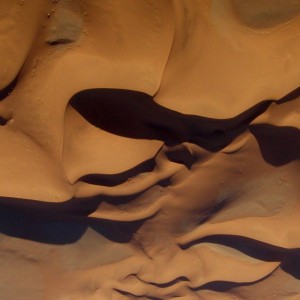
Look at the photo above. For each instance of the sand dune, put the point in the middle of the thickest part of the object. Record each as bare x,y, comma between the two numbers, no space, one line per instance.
150,150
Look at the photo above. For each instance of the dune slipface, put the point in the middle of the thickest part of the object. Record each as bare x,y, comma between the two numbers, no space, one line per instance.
150,149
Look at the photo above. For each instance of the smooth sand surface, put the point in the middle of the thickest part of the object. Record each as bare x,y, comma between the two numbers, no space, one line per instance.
150,150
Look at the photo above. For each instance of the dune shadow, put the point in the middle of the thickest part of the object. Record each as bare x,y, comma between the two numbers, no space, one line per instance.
116,231
59,223
6,91
291,263
16,223
225,286
119,178
289,258
136,115
250,247
278,145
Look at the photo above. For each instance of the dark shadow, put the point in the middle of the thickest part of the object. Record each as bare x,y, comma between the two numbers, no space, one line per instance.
136,115
289,258
116,231
278,145
59,42
291,263
251,247
165,284
70,210
119,178
2,121
5,92
59,223
18,224
219,286
290,96
181,155
225,286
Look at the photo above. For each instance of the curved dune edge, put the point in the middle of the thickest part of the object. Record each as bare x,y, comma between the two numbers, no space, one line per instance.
149,150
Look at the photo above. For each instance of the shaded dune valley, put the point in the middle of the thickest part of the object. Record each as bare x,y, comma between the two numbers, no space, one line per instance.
150,150
124,214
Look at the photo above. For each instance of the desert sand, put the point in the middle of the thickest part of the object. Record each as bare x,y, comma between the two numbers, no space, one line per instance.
150,149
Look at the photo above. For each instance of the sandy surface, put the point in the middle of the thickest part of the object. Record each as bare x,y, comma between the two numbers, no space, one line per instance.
139,158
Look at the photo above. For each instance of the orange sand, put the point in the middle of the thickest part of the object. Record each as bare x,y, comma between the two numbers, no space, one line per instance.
228,227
